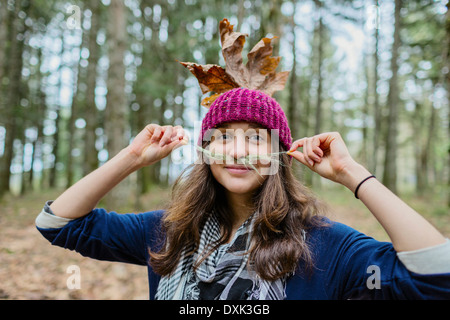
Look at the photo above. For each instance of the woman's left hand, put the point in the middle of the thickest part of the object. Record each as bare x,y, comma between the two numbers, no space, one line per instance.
327,155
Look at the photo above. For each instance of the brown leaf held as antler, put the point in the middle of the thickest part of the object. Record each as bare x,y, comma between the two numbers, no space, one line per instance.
259,72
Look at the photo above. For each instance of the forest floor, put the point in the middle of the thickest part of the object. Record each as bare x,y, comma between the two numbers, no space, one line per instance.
30,268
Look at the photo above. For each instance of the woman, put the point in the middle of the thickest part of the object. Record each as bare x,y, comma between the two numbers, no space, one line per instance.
237,231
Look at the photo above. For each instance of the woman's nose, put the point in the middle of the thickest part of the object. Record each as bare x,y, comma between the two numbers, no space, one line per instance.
239,149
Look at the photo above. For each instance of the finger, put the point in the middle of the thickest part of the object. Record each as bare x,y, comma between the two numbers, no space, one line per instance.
166,136
311,149
327,138
297,144
311,154
179,130
316,147
156,134
174,145
145,134
307,152
179,134
150,128
299,156
180,143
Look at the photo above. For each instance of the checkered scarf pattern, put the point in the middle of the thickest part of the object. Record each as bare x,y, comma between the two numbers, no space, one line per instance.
224,275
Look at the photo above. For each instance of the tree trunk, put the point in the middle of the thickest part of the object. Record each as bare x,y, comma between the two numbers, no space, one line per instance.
3,41
116,108
58,124
320,40
241,15
390,160
292,109
418,124
91,115
447,86
4,57
13,95
365,158
71,127
376,101
40,110
76,106
428,149
56,145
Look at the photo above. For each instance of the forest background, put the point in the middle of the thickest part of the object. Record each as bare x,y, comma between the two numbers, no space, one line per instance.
79,79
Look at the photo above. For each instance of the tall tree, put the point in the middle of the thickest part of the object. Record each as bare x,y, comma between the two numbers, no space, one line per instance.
58,122
38,103
11,116
90,110
293,103
116,121
319,35
427,51
390,160
375,95
446,76
3,40
76,105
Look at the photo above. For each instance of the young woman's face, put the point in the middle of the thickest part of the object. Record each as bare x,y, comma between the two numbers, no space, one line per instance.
237,140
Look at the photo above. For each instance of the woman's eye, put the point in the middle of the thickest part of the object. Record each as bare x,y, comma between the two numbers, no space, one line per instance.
225,136
256,138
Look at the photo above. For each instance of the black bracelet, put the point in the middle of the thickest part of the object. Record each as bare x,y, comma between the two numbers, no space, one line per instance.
359,185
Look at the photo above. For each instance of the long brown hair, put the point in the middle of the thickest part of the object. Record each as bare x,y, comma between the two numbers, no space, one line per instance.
284,211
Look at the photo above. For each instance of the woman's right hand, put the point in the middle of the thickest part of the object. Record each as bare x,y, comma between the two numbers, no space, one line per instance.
156,142
152,144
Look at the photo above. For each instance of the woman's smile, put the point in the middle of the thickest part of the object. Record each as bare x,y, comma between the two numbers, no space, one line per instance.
237,169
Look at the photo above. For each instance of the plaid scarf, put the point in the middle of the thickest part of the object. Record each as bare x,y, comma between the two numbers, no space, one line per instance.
223,275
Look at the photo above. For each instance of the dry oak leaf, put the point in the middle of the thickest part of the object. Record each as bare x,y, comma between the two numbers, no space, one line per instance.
259,72
211,77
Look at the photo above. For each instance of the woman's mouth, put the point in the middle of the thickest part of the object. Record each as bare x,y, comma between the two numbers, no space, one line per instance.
237,169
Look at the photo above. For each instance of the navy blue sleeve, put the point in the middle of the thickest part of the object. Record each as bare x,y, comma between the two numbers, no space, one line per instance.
364,268
109,236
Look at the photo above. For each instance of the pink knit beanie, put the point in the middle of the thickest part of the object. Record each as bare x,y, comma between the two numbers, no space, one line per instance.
242,104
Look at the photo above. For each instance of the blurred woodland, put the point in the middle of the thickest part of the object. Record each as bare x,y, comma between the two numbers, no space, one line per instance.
79,79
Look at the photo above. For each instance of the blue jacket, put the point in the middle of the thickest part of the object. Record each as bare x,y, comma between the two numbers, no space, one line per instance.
346,261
